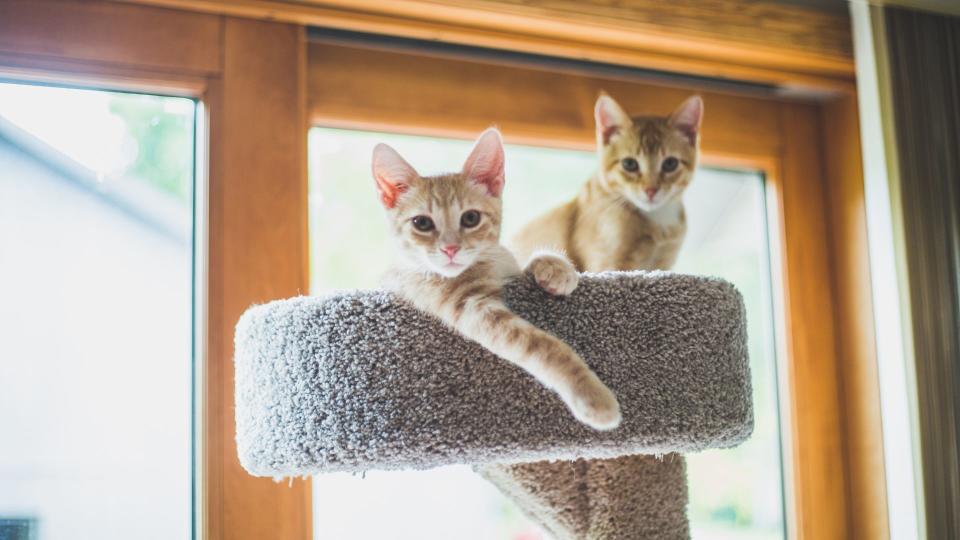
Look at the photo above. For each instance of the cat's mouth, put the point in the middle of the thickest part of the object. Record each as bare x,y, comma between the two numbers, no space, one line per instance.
644,201
454,262
449,267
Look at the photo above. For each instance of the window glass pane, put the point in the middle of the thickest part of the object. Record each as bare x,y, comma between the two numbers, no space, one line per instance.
96,311
737,493
733,493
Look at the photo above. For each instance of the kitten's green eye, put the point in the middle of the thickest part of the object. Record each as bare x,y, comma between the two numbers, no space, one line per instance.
470,219
422,223
669,165
629,164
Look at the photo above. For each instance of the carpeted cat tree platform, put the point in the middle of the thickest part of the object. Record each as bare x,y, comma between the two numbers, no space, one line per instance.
359,380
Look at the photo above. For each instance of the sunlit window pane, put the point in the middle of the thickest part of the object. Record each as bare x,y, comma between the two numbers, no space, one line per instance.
737,493
95,310
733,493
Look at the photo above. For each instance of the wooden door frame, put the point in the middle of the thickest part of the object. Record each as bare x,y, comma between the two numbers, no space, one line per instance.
252,78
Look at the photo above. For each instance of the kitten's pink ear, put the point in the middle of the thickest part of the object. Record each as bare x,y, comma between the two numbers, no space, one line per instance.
687,118
392,173
485,164
610,118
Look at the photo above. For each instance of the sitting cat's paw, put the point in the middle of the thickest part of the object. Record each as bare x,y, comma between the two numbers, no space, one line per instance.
554,273
594,404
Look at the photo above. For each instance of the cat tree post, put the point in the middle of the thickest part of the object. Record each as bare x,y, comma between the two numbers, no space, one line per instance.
621,498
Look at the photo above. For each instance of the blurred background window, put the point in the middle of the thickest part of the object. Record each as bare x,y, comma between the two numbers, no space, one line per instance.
96,225
735,493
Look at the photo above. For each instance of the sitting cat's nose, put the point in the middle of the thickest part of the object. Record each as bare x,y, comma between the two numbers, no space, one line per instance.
450,250
652,192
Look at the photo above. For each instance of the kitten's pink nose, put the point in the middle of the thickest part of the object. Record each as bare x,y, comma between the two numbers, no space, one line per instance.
651,192
450,250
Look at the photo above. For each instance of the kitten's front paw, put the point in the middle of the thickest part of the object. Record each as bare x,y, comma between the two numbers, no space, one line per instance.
553,273
594,404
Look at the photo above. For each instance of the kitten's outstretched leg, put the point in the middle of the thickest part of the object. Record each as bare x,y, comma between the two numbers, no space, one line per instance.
592,403
553,272
588,398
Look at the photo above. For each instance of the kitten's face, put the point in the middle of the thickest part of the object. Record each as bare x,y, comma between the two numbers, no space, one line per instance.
443,223
648,161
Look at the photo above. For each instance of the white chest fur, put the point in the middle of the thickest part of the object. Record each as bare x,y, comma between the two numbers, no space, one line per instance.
668,215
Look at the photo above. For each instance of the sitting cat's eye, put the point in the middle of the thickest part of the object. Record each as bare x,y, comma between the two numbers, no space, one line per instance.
630,164
669,165
422,223
470,219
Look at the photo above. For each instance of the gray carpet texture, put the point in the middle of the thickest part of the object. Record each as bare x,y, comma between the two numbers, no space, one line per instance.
359,380
623,498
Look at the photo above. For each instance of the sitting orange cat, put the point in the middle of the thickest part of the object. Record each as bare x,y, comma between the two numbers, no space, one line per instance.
629,215
451,265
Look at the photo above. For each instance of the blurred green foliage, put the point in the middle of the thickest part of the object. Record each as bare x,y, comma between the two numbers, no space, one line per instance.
162,128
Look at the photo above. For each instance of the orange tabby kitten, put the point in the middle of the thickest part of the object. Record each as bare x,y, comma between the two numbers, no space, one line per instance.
451,265
629,215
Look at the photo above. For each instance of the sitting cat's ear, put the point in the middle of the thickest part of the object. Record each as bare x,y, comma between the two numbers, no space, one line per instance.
687,117
392,174
610,118
485,164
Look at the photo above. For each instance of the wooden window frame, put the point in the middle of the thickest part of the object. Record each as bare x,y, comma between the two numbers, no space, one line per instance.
261,85
251,222
813,195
